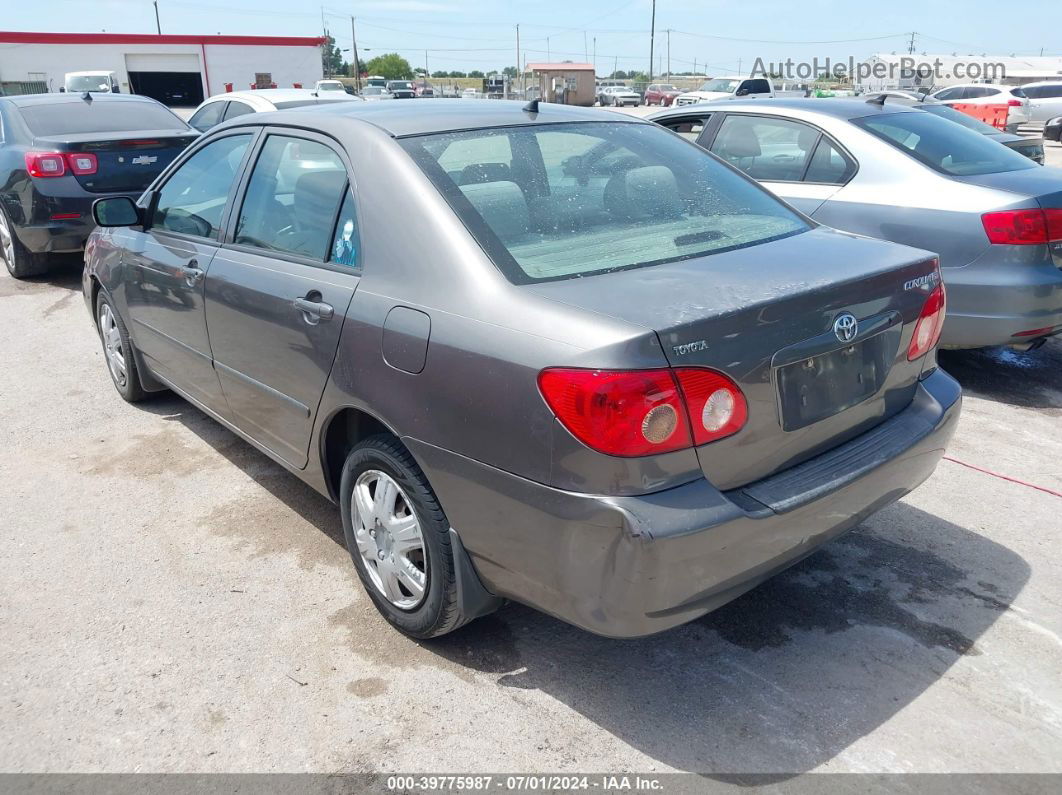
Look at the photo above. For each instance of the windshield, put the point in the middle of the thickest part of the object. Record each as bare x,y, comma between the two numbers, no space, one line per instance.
957,116
720,84
67,118
668,87
944,146
89,83
401,84
558,201
330,85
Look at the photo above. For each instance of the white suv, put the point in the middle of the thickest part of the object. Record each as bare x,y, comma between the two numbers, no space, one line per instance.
984,94
727,88
1045,100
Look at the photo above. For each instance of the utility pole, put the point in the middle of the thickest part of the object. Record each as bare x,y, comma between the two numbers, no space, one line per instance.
695,66
911,45
354,49
519,66
595,57
158,25
652,36
740,73
669,55
547,49
427,74
615,67
586,52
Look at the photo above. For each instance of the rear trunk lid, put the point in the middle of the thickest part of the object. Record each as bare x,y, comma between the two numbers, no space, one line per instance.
1043,185
127,162
764,316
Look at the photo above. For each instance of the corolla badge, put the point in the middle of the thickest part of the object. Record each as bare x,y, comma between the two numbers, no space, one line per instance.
144,160
845,326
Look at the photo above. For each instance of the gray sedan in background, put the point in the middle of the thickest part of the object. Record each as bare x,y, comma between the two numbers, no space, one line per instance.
604,374
899,173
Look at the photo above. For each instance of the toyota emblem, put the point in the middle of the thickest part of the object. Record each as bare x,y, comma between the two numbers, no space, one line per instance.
846,327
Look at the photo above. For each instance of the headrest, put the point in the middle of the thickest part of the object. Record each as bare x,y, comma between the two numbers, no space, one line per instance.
316,196
649,192
484,172
739,140
502,205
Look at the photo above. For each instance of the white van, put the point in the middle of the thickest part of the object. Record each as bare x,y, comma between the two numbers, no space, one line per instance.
727,88
93,82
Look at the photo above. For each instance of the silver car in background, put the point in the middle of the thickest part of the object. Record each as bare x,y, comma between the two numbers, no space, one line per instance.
897,173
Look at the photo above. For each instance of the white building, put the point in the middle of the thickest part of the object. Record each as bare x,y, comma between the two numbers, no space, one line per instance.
177,70
887,70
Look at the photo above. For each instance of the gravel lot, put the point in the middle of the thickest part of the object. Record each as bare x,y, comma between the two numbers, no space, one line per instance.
170,600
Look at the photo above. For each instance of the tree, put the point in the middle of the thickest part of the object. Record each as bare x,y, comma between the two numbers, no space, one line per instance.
391,66
618,75
510,71
332,62
475,73
457,74
440,74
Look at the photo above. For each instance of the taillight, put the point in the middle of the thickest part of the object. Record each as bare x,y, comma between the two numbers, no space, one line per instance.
1023,227
930,324
644,412
716,405
82,163
45,164
1014,103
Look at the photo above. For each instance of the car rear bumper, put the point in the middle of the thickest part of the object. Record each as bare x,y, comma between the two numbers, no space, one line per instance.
632,566
45,233
1001,294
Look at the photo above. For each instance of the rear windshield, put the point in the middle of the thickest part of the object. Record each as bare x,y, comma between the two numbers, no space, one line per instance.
558,201
66,118
944,146
957,116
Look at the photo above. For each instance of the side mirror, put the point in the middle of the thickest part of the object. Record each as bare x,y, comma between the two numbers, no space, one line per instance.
116,211
742,92
62,89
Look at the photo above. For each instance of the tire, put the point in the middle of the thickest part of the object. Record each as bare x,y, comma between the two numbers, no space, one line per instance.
115,340
438,610
20,261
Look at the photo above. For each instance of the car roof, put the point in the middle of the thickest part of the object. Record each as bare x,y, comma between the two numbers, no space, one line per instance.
448,115
268,94
26,100
827,106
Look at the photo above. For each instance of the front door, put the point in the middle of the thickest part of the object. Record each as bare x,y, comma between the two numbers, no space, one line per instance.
278,290
166,265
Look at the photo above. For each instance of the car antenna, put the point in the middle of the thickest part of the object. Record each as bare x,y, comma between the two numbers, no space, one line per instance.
87,97
879,100
532,106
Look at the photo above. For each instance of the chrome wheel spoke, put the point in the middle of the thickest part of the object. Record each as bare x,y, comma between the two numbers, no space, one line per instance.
364,510
389,580
411,577
384,499
405,533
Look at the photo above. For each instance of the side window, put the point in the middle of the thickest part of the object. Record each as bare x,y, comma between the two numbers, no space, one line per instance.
828,165
757,86
237,108
193,199
292,198
207,116
978,93
1051,92
774,150
345,239
949,93
688,128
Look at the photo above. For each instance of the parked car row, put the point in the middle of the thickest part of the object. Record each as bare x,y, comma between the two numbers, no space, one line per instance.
662,363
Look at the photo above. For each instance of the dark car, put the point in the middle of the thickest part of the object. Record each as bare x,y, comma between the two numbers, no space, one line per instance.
401,89
60,152
662,94
605,374
1053,129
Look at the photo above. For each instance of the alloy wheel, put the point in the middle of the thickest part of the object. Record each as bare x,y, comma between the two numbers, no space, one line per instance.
112,344
7,242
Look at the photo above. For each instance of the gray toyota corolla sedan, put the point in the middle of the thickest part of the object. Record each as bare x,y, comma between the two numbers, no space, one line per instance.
899,173
547,354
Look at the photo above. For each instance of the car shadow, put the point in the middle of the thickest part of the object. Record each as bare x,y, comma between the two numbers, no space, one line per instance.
64,270
1032,379
786,677
779,681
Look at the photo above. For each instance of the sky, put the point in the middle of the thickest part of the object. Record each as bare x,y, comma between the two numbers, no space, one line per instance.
466,34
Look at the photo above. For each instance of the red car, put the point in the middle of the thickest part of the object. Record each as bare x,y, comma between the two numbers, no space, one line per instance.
662,94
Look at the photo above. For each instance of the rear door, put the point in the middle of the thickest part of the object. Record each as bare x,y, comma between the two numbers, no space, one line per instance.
793,159
165,267
278,290
1045,102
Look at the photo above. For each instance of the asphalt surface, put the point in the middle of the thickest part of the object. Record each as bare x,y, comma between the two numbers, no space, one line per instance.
170,600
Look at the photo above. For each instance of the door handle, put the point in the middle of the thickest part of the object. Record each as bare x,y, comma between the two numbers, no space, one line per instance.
192,273
313,311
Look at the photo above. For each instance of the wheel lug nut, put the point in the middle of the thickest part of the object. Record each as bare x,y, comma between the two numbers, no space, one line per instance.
380,554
